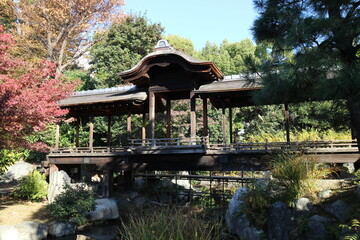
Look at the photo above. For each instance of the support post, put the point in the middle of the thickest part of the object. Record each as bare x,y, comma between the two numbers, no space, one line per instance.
143,128
231,124
192,117
152,114
77,143
223,122
109,131
168,118
128,180
287,122
91,133
128,127
57,136
107,184
205,118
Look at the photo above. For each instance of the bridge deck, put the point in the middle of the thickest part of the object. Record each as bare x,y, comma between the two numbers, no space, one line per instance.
180,154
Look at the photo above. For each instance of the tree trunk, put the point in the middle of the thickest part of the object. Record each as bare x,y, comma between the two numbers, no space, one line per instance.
354,109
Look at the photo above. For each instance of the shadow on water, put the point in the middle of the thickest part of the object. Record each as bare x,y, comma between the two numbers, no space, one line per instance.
106,231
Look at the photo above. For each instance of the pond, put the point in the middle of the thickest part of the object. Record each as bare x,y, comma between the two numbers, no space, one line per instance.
105,231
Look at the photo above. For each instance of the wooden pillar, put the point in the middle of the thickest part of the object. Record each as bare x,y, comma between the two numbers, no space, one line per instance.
107,184
205,118
143,128
287,122
128,126
231,124
223,122
128,180
168,118
57,136
77,143
192,116
91,133
109,131
152,115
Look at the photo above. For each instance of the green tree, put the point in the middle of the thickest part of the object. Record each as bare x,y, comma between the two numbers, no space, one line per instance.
121,47
182,44
324,37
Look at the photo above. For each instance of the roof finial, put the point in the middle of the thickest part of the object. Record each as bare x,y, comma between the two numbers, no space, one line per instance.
162,44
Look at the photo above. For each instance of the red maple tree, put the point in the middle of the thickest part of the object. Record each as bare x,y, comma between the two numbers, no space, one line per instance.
28,97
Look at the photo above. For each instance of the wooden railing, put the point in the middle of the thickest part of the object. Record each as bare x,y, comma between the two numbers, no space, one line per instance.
309,146
203,142
89,150
169,141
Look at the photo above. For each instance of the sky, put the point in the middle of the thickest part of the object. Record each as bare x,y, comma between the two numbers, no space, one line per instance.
199,20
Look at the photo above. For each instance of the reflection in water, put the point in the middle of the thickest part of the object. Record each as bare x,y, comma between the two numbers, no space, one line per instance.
107,231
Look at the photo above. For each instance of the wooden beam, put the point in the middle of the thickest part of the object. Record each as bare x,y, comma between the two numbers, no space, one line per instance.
193,116
205,117
168,118
231,124
109,131
152,115
57,136
287,122
223,122
91,133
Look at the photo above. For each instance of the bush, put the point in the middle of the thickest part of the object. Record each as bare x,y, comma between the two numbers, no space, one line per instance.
33,187
171,223
256,202
295,175
73,204
8,157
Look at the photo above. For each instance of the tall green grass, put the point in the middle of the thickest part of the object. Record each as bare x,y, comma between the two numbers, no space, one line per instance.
295,175
171,224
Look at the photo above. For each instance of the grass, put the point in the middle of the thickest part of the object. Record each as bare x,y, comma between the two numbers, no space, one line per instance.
172,224
296,175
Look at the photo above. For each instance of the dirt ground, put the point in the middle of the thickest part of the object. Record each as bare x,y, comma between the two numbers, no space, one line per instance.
13,211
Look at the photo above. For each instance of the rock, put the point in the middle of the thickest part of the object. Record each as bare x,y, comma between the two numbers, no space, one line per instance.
182,183
19,170
183,197
302,205
133,195
338,209
357,192
140,202
105,209
324,194
139,184
326,184
59,229
57,181
165,183
279,221
238,223
8,233
347,170
317,227
32,230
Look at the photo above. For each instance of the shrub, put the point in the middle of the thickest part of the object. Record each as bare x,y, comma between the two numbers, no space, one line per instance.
357,177
256,202
295,175
171,223
33,187
73,204
8,157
